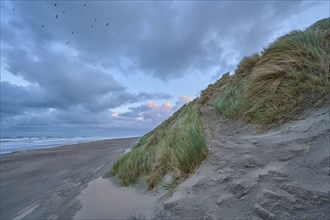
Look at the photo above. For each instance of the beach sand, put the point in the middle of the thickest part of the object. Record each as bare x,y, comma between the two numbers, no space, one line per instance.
46,184
279,174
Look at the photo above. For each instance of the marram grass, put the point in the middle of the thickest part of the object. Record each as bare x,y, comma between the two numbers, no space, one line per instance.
167,154
287,77
267,88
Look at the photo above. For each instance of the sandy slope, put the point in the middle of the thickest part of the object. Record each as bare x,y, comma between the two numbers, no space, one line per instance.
281,174
44,184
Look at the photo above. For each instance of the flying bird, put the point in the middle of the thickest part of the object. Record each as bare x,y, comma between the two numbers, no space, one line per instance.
55,4
107,24
63,12
67,42
95,19
43,26
56,16
13,9
72,32
84,5
92,26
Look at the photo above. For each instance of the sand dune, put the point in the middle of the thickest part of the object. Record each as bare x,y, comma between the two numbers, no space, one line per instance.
281,174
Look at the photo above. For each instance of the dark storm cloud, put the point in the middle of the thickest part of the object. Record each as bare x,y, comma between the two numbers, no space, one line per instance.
66,84
165,39
62,80
70,59
16,99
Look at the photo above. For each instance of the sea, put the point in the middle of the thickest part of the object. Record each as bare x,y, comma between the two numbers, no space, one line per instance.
17,144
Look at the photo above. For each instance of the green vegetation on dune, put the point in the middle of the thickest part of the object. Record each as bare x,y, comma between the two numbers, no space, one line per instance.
269,88
167,154
287,77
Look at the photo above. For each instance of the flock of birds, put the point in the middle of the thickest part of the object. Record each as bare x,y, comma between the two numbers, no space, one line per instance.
72,32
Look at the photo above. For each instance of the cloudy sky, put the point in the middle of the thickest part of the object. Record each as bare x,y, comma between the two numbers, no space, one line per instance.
119,68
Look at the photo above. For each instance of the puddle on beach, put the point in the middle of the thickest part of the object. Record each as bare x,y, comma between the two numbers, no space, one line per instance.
102,199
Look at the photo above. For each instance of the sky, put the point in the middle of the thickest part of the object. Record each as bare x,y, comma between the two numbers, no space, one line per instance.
120,68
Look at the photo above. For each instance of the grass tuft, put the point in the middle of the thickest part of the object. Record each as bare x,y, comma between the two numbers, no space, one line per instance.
287,77
166,155
247,64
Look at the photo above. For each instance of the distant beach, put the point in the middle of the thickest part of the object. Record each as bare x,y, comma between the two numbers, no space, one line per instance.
45,184
17,144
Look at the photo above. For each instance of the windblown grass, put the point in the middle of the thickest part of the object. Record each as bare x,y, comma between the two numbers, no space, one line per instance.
287,77
267,88
166,155
209,92
246,66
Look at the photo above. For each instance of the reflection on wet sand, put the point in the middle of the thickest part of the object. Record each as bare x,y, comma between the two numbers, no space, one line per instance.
102,199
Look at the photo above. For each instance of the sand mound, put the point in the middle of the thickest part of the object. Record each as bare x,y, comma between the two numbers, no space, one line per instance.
280,174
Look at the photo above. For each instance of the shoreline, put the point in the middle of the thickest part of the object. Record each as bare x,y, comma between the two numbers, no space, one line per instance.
45,183
45,147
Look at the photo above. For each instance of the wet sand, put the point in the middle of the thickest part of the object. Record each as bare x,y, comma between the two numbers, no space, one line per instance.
45,184
103,199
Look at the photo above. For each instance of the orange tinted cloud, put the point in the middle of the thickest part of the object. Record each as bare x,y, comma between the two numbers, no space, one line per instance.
115,115
181,101
152,105
167,106
186,98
